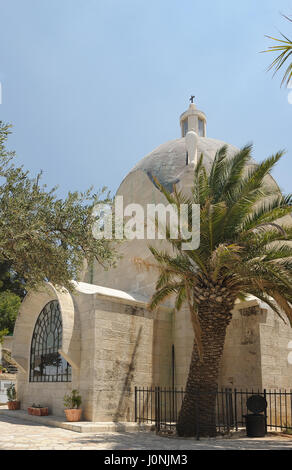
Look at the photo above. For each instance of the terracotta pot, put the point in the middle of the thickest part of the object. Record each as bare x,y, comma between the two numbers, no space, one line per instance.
73,414
13,405
38,411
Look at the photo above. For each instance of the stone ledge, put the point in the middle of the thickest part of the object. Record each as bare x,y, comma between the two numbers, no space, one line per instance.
5,376
81,426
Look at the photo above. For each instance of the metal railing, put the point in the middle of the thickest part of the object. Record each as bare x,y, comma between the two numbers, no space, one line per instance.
161,406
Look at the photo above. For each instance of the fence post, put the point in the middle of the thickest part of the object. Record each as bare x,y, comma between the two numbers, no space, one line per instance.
231,408
266,424
235,410
155,406
227,403
135,404
198,415
158,409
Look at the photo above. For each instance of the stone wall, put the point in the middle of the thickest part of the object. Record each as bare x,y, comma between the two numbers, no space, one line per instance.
255,352
275,336
183,338
162,347
45,394
241,361
122,358
256,349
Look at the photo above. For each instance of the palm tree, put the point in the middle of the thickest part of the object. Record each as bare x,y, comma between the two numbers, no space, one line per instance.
243,250
284,47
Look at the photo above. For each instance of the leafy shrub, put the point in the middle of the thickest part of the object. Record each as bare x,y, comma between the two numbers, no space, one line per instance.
11,392
73,400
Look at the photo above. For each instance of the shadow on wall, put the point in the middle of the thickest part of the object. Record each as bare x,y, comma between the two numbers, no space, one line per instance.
122,410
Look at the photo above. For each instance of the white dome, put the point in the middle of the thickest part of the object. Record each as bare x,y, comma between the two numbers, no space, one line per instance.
168,161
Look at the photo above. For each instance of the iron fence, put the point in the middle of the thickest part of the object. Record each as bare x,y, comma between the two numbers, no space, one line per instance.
161,406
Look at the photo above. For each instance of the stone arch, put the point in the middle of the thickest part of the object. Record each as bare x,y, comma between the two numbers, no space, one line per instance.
29,311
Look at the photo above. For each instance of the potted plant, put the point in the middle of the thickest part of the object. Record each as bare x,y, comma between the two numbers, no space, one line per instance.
13,403
72,403
38,410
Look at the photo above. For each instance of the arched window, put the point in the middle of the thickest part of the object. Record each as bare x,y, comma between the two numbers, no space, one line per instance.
46,364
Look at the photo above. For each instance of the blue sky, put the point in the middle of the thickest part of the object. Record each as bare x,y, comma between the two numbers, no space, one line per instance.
91,86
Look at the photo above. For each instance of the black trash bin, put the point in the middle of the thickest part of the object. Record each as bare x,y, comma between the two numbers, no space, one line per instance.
256,422
255,425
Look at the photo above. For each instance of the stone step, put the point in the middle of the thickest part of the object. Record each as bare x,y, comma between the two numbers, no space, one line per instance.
81,426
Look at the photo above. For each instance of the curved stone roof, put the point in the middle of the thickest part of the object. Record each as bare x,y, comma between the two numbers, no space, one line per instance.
168,161
91,289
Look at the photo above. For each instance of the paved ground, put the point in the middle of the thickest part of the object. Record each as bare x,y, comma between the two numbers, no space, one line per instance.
17,434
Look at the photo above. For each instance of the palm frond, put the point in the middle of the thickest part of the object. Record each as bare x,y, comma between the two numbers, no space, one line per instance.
180,298
284,46
234,172
163,293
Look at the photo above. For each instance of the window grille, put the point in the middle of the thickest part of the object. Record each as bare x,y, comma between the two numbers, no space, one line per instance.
46,364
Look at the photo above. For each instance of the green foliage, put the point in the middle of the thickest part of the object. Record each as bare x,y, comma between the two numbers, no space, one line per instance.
284,48
3,333
73,400
11,392
43,237
287,430
9,306
10,281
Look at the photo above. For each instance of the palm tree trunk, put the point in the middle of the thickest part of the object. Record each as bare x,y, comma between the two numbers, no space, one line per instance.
198,406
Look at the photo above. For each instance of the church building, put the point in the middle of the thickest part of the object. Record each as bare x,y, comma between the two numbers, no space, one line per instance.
103,340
